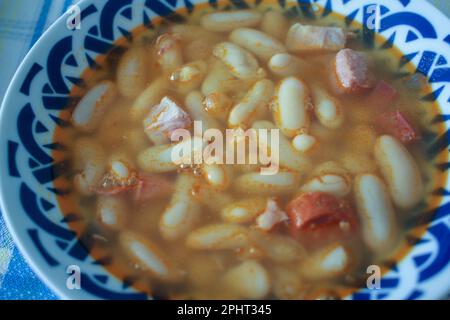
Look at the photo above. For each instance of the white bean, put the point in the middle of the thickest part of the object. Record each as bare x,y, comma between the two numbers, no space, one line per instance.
167,158
183,211
111,212
168,51
286,65
301,38
93,105
289,158
304,142
336,185
120,165
218,237
376,213
148,257
217,104
230,20
244,211
290,107
90,159
400,171
278,248
132,72
328,110
211,198
215,79
189,76
240,62
151,96
256,183
275,24
259,43
252,104
249,280
327,263
194,105
287,283
217,176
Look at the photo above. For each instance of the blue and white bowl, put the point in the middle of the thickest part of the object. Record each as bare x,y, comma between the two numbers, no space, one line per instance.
40,91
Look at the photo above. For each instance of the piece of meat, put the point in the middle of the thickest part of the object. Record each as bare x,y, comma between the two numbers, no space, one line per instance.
271,216
352,72
382,96
152,186
112,185
142,187
164,119
317,210
397,125
301,38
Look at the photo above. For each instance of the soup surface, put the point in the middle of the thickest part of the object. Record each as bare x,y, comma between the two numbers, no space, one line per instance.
349,167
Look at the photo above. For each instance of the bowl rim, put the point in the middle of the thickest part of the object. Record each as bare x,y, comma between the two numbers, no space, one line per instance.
6,205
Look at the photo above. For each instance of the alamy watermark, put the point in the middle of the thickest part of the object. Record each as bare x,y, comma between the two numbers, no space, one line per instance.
252,146
73,281
73,21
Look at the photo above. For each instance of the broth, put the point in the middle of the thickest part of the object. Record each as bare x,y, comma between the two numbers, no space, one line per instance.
175,235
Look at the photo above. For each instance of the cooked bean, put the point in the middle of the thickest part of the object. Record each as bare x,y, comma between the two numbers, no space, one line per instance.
240,63
275,24
376,213
304,142
90,159
149,98
132,72
213,199
301,38
256,183
230,20
290,107
328,110
327,263
167,158
249,280
288,157
336,185
148,257
252,104
194,104
287,283
244,211
189,76
218,237
218,176
183,212
215,79
168,52
286,65
278,248
92,107
259,43
217,104
111,212
400,171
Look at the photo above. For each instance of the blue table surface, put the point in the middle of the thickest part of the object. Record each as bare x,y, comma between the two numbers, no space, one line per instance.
21,24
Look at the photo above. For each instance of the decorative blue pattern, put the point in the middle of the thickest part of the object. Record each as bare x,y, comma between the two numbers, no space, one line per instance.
56,65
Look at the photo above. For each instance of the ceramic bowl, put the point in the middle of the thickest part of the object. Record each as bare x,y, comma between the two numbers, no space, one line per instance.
41,88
